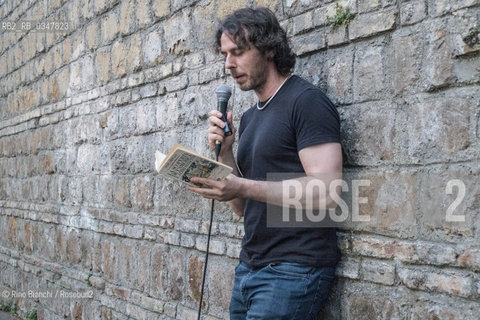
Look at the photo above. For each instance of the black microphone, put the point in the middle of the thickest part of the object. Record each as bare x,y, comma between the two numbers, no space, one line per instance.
223,94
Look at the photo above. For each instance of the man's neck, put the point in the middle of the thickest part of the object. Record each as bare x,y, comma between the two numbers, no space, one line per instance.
274,80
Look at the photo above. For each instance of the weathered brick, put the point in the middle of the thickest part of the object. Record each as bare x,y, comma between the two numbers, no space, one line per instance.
446,308
309,42
369,24
186,313
435,253
382,211
152,49
407,50
121,193
439,125
87,160
78,45
412,12
233,249
292,7
176,276
302,22
133,231
470,259
119,52
82,74
369,79
190,226
74,253
465,38
158,273
161,8
219,288
226,7
195,272
100,6
67,50
110,26
378,272
216,246
356,132
467,70
102,63
142,192
134,55
339,80
368,5
337,36
437,64
92,35
370,306
205,28
384,248
432,281
143,15
29,47
127,17
177,34
87,249
348,268
48,63
441,7
126,266
175,83
148,90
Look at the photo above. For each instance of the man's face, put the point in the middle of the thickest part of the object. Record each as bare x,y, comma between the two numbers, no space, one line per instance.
247,65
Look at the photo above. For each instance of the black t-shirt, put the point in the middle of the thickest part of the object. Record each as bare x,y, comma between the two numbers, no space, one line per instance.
300,115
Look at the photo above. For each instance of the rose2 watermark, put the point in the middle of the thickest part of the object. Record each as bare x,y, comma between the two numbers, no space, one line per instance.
335,201
319,213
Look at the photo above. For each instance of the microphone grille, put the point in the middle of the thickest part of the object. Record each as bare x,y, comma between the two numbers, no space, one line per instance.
223,92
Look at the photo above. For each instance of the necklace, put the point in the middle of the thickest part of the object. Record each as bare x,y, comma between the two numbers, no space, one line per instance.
270,99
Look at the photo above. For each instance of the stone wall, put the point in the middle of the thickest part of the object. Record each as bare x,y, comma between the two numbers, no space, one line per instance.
83,110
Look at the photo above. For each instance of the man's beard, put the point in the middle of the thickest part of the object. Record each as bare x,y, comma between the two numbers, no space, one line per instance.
255,82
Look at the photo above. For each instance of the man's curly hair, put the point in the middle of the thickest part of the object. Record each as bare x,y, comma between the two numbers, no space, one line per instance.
260,28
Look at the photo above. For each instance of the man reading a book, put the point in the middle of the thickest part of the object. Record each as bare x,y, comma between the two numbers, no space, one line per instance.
285,272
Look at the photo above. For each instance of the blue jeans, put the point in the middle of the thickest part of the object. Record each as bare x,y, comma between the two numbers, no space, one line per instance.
288,291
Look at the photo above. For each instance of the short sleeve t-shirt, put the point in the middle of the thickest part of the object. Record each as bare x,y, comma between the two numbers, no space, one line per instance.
300,115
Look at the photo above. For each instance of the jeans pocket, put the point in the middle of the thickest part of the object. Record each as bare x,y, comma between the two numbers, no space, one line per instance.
241,268
290,269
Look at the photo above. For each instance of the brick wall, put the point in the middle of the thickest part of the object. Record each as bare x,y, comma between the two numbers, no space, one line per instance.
82,112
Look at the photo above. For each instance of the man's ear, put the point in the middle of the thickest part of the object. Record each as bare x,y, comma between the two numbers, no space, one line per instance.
270,55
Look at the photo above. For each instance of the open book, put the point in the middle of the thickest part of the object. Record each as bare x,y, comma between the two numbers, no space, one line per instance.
182,164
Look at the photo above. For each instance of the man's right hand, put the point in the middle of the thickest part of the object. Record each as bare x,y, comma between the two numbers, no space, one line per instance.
215,131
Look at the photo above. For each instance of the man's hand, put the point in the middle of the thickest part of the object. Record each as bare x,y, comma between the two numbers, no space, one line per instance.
215,131
223,190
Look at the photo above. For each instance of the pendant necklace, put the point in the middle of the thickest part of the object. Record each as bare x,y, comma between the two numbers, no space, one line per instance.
270,99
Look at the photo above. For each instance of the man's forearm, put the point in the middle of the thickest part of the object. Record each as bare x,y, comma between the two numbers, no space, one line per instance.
227,158
238,203
278,192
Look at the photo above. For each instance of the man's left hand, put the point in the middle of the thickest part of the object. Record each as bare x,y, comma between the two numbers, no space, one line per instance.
223,190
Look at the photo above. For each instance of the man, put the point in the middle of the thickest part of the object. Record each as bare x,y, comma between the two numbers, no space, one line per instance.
284,272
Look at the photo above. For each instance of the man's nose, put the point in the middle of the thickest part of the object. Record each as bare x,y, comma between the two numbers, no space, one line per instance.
229,62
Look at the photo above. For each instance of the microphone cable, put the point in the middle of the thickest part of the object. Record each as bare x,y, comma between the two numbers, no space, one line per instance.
223,93
217,151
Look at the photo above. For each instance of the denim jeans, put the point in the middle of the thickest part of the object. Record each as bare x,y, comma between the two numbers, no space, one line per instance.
288,291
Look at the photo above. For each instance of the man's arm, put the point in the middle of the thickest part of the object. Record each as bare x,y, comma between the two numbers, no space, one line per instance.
237,204
216,133
322,161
